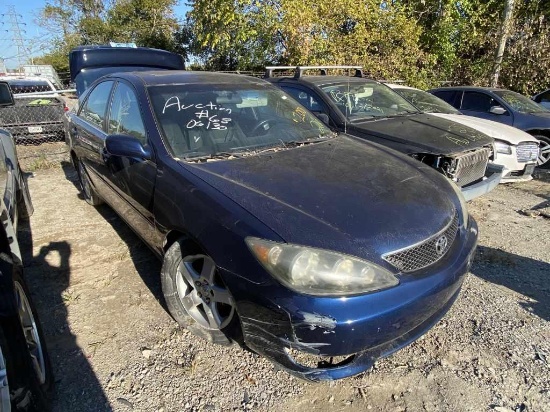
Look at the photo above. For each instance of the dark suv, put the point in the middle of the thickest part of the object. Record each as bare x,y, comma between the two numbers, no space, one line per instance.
504,106
372,111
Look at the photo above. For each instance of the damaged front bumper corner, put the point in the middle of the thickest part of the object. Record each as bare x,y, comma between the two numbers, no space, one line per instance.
492,178
329,338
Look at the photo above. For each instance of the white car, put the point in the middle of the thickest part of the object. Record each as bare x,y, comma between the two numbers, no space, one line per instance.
516,150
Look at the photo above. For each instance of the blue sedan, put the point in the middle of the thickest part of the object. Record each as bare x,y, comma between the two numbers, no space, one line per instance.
320,251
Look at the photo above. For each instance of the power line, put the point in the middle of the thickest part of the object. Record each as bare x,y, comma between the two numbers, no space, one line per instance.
15,23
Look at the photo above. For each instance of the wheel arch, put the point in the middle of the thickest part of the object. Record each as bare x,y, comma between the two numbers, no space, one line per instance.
544,132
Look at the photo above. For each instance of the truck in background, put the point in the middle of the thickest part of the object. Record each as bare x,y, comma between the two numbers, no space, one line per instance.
43,70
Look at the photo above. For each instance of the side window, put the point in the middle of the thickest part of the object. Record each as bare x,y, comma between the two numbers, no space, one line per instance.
125,117
544,98
478,102
304,98
95,107
448,95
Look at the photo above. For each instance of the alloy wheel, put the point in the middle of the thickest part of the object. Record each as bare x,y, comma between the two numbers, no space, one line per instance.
202,293
5,404
30,331
544,154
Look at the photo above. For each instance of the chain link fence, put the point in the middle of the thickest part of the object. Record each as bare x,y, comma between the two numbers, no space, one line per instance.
36,121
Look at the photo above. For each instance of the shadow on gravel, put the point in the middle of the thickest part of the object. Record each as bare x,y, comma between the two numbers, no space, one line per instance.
146,263
76,382
524,275
72,176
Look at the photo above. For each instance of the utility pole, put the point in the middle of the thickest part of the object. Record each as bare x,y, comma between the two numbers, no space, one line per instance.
15,23
504,34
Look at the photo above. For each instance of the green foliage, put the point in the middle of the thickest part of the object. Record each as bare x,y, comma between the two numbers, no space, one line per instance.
422,42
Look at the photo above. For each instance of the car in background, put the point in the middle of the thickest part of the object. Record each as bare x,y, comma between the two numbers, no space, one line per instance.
25,372
514,149
273,230
543,98
503,106
38,110
373,112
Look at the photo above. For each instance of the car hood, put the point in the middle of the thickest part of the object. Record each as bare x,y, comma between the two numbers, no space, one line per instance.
542,115
343,194
495,130
423,133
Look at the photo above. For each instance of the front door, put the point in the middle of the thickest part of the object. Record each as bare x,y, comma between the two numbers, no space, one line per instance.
479,104
132,180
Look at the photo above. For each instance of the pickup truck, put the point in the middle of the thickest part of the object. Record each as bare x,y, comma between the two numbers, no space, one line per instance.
37,113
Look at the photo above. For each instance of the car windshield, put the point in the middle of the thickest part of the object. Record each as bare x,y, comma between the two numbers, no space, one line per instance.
365,100
224,120
426,102
520,103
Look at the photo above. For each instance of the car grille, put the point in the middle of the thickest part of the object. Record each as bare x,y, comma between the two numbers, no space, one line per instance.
527,152
471,166
425,253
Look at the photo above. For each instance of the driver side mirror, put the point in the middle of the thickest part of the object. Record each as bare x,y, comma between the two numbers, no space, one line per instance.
6,96
126,146
323,117
497,110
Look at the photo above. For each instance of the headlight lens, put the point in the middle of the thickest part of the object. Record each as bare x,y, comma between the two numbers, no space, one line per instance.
319,272
502,147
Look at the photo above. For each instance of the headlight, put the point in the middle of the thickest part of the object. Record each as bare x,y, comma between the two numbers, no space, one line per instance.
502,147
319,272
463,207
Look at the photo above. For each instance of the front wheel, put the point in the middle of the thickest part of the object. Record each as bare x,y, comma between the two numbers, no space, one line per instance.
25,371
544,154
196,295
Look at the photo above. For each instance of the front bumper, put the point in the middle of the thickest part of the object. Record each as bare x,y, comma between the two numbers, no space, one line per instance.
514,170
364,328
493,176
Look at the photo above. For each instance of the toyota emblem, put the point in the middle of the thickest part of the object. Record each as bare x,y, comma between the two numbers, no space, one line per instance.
441,245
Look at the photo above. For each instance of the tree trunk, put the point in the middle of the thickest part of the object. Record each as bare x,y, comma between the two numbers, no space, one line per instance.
504,34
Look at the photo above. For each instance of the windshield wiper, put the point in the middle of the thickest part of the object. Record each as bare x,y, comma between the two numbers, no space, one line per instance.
212,156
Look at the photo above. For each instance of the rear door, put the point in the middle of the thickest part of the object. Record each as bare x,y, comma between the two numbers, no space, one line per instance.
87,130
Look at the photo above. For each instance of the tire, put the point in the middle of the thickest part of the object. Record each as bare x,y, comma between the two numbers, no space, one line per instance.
544,158
24,210
86,188
29,375
206,308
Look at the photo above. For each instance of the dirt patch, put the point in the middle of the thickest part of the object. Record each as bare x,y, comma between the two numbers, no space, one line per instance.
114,347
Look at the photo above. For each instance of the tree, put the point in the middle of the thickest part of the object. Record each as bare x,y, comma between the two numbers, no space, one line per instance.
507,21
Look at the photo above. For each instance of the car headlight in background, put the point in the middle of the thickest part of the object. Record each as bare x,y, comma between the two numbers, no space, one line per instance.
502,147
319,272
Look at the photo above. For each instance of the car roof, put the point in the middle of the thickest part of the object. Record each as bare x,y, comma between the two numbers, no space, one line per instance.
319,80
474,88
164,77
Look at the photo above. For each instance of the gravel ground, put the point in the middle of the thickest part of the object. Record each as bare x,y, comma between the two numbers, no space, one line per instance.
114,347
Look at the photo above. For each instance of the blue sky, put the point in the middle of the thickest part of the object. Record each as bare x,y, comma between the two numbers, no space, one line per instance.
35,38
